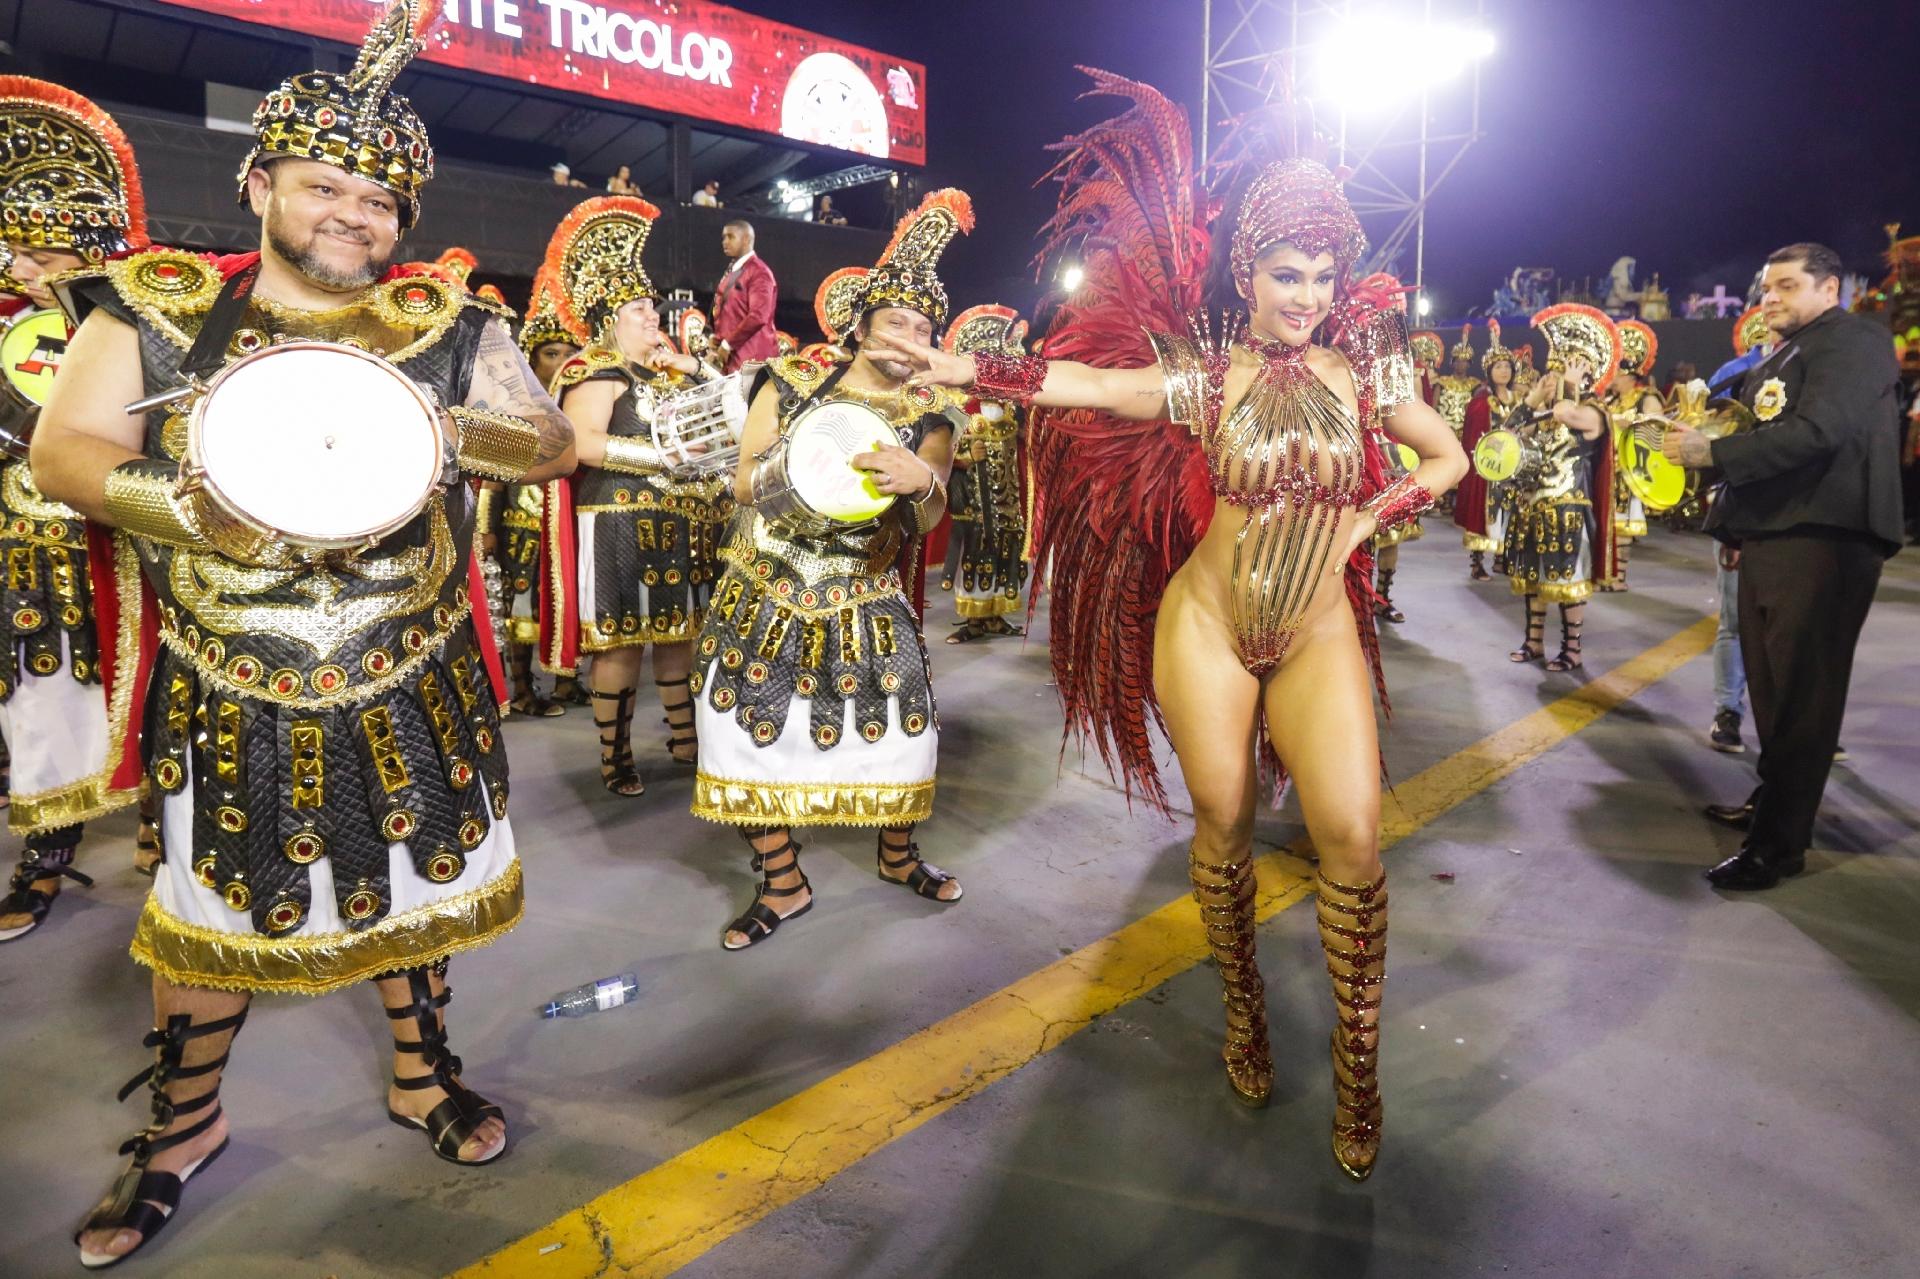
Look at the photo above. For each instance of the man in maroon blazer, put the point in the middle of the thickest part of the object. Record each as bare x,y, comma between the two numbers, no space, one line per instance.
743,302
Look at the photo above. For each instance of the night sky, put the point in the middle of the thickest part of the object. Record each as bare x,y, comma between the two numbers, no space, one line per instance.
1693,135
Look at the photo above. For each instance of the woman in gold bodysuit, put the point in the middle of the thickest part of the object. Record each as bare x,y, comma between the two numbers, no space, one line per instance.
1256,631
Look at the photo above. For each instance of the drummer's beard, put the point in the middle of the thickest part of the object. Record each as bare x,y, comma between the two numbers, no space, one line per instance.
892,370
309,263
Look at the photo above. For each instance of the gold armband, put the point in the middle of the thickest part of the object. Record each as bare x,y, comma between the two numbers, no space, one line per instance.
142,497
498,446
627,455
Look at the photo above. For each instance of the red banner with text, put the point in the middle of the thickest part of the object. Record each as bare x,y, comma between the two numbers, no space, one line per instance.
685,56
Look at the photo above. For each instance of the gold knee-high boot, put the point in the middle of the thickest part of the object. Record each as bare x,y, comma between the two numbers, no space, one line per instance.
1353,932
1225,895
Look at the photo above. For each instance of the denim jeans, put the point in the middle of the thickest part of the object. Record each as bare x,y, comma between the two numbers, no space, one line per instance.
1729,670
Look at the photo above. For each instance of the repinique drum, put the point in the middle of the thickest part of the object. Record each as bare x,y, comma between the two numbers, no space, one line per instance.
1497,456
315,446
810,483
30,352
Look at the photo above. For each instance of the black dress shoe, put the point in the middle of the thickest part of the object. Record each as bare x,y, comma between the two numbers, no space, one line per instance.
1738,816
1748,872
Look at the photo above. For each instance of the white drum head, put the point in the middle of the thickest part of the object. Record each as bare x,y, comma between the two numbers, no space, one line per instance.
320,443
821,442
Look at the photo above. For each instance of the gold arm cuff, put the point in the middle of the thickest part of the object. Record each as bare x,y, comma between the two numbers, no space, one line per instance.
1183,365
484,515
140,498
628,456
928,510
498,446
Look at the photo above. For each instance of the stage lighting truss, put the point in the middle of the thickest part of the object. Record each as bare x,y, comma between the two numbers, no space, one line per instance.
798,197
1394,87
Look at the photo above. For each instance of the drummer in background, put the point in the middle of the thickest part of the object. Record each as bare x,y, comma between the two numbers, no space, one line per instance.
1561,531
325,734
1479,508
1633,394
815,697
53,709
641,559
511,516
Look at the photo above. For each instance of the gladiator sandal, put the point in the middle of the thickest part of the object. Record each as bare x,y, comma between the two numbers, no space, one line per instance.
683,735
760,919
924,879
36,882
1534,648
1353,933
1384,588
146,841
617,772
568,691
1225,897
145,1201
1477,566
526,701
1569,658
453,1122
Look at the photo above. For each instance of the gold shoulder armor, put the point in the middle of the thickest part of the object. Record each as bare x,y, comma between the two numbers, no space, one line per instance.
590,363
800,372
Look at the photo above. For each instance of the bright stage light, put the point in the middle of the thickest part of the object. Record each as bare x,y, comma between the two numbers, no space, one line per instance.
1425,305
798,204
1071,278
1376,61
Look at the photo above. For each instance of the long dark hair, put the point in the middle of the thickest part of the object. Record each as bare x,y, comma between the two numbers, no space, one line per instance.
1220,296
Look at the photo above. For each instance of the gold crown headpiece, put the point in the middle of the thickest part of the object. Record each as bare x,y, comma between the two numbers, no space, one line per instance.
1463,349
1751,330
1427,347
354,121
594,257
67,175
1495,352
1638,346
1571,329
543,323
1298,201
991,327
907,274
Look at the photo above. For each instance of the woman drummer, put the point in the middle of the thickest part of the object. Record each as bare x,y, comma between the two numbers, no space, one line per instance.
816,699
643,533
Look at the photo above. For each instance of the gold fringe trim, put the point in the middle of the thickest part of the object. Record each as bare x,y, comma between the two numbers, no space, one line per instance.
591,642
741,803
82,801
1553,592
189,955
1408,532
1477,542
993,606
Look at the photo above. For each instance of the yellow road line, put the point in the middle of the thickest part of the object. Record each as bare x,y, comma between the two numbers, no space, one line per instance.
674,1212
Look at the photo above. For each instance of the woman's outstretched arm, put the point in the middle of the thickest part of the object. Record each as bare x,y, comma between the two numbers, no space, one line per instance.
1139,394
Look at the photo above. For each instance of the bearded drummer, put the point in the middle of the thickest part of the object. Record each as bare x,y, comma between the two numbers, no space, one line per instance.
633,537
323,728
815,700
69,197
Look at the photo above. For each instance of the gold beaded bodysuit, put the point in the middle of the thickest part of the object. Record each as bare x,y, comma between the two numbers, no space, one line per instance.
1290,453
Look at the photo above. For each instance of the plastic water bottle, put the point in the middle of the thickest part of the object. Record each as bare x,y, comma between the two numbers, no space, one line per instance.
594,997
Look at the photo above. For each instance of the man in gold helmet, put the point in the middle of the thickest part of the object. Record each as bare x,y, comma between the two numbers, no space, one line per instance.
815,699
69,196
988,560
323,727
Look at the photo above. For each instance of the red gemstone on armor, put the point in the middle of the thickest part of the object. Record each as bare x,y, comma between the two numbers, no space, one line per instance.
167,271
329,681
416,295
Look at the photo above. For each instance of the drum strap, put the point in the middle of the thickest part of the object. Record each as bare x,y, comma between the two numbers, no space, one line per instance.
209,350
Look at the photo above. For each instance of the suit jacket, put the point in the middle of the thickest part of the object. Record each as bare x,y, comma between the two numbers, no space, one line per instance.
1829,461
743,313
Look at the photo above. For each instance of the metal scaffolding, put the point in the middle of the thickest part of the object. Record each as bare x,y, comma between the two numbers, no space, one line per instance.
1398,158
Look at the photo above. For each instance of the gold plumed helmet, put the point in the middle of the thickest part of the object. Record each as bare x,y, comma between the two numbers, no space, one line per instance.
67,175
991,327
1574,329
543,323
1463,349
1751,330
1638,346
354,121
907,273
594,257
1495,352
1427,347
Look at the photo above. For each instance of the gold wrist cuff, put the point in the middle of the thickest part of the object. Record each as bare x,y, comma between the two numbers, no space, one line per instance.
140,498
928,510
498,446
627,455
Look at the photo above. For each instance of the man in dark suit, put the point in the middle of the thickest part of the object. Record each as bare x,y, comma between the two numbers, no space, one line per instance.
1811,498
743,301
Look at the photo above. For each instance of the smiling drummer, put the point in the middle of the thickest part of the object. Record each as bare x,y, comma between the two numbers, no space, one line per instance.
815,701
324,730
69,196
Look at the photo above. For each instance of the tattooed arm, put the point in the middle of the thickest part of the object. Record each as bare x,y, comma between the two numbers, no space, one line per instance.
503,383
